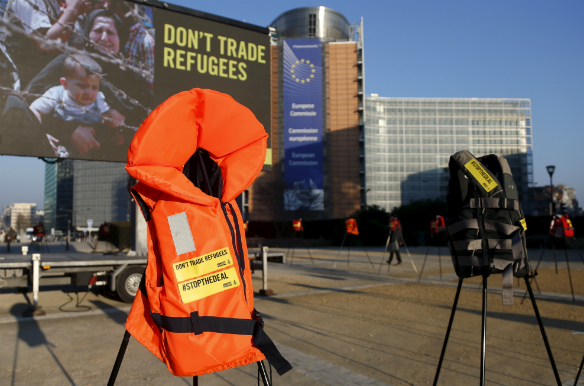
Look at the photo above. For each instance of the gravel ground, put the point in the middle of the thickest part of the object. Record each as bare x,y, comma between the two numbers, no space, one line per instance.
343,325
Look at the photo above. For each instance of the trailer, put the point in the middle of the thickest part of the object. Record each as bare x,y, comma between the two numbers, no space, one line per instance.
120,274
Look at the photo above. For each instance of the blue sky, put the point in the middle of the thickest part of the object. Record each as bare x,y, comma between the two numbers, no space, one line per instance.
429,48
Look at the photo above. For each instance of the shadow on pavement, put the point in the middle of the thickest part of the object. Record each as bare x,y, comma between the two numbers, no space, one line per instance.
530,319
30,333
118,317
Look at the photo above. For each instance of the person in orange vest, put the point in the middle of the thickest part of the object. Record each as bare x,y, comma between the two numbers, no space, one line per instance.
395,239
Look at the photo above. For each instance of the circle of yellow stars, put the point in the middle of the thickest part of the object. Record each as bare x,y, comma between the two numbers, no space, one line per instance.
299,79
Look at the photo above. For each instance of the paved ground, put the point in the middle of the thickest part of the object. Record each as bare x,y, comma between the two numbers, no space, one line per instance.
349,324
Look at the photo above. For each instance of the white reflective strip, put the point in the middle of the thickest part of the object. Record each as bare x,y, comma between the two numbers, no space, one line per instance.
181,233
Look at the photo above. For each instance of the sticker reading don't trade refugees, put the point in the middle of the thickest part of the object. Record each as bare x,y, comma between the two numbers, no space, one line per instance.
481,175
208,285
202,265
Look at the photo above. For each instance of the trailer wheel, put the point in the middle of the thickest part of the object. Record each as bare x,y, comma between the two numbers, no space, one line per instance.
128,283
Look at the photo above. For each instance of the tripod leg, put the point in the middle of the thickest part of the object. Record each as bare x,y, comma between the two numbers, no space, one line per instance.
412,260
579,371
440,261
448,331
484,332
381,262
555,258
383,256
543,335
537,285
293,249
424,264
307,250
264,374
348,253
367,254
120,357
578,250
536,267
340,250
569,274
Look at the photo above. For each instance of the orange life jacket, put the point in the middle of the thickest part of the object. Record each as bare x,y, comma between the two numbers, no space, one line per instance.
351,226
297,225
394,225
561,226
195,307
437,225
39,230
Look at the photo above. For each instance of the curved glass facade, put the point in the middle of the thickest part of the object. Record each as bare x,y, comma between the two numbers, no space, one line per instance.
313,22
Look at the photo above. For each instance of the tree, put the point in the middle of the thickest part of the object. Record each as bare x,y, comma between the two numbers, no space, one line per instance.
20,222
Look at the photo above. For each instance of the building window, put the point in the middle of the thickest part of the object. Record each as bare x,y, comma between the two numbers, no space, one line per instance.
312,24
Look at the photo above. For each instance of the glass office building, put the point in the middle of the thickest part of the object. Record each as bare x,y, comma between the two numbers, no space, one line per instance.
58,195
100,193
85,190
408,142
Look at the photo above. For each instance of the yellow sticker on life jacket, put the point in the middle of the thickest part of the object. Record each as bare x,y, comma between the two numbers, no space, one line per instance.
202,265
208,285
523,224
483,177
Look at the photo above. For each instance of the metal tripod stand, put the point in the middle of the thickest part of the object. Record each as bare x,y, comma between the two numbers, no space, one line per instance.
484,331
122,351
567,260
349,251
294,248
425,257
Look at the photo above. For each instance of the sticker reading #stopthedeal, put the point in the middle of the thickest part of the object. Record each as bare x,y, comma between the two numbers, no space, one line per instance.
208,285
202,265
482,176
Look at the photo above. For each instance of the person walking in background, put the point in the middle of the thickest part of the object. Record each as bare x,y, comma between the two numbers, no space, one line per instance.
395,239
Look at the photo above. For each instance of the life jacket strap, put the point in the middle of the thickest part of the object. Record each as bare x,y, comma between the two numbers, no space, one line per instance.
493,203
197,325
142,204
490,225
513,244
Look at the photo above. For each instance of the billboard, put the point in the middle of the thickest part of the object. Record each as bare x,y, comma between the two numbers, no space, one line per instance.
77,81
303,124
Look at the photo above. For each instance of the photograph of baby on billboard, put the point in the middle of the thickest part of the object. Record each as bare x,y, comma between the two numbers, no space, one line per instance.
76,77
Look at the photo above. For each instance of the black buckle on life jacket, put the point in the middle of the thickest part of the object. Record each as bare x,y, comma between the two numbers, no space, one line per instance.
257,316
196,321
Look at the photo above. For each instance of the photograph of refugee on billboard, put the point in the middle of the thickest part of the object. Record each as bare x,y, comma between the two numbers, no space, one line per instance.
76,77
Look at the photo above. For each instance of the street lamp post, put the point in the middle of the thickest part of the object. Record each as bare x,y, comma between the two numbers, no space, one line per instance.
550,170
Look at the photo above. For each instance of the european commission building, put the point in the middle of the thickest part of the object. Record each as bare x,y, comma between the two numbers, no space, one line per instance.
408,142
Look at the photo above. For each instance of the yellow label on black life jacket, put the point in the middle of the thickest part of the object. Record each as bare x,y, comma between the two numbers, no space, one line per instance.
208,285
523,224
202,265
483,177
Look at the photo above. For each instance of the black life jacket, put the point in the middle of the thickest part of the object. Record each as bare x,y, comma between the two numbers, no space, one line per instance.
485,224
